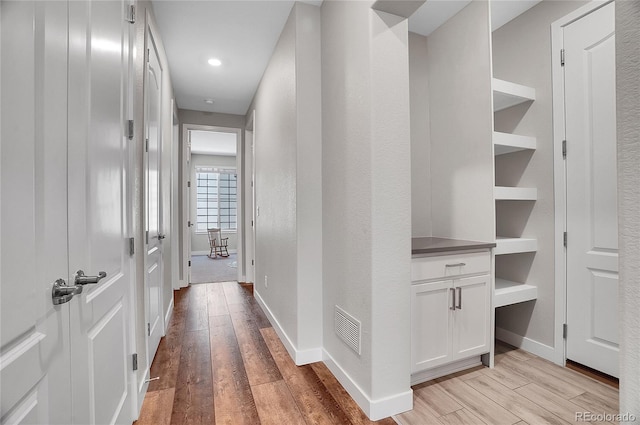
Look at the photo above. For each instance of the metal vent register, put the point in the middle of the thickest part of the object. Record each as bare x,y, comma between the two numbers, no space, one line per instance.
348,329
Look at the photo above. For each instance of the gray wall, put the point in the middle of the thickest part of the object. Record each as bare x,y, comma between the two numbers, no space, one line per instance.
187,116
420,137
459,73
200,241
366,196
628,107
522,54
288,184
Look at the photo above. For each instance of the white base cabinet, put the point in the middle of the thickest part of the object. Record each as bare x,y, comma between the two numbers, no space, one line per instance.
450,309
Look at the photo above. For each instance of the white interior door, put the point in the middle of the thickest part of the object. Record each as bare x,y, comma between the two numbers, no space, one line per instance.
35,363
153,199
98,158
592,225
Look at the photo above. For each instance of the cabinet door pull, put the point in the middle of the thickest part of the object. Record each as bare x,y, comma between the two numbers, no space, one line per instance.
453,299
459,305
456,265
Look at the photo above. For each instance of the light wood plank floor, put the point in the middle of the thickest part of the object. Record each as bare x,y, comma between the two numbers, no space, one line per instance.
521,389
221,362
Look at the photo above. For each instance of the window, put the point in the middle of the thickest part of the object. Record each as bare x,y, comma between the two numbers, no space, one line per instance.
216,199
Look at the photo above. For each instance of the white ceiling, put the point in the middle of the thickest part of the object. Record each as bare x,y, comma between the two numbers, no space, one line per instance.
243,34
213,143
434,13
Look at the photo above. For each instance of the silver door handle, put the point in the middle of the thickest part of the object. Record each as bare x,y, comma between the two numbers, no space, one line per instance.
62,293
453,299
82,279
459,305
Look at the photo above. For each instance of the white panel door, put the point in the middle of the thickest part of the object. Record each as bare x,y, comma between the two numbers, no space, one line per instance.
153,200
592,225
98,158
431,311
35,364
472,317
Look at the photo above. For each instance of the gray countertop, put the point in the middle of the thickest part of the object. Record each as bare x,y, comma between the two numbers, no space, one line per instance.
430,245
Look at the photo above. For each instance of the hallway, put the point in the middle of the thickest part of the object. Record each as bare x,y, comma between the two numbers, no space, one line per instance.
222,362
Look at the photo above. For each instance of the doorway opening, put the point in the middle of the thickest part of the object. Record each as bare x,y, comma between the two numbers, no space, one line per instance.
214,241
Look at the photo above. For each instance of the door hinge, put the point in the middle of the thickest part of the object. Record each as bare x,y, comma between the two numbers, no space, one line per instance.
188,184
564,149
189,223
561,57
564,331
146,145
134,358
252,262
564,238
148,329
132,15
130,129
189,263
132,246
251,223
146,237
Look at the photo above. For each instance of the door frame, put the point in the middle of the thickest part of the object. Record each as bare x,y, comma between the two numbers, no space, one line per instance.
174,197
186,250
250,221
559,173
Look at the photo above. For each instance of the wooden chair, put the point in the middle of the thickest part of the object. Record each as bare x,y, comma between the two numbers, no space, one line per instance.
217,243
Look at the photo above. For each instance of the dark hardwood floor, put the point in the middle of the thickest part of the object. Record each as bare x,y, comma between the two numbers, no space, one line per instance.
221,362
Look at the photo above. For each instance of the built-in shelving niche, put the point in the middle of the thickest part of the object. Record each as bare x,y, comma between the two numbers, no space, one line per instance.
505,95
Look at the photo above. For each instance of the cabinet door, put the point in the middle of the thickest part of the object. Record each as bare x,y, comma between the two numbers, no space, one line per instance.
431,343
472,318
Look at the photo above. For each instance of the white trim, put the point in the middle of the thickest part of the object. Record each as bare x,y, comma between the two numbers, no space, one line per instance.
186,127
142,389
167,316
527,344
300,357
374,409
559,173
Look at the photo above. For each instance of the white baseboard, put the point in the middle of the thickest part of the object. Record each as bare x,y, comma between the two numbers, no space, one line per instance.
527,344
167,316
142,389
300,357
231,251
374,409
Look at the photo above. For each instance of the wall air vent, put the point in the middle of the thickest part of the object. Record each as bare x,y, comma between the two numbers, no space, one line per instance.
348,329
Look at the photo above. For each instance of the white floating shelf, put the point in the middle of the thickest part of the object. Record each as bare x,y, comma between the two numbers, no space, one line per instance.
515,245
506,143
507,94
502,193
508,292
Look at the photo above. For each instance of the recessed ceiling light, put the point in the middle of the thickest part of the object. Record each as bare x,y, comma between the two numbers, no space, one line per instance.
208,101
214,62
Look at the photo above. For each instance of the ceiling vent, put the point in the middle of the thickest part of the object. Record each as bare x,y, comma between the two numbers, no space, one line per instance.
348,329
